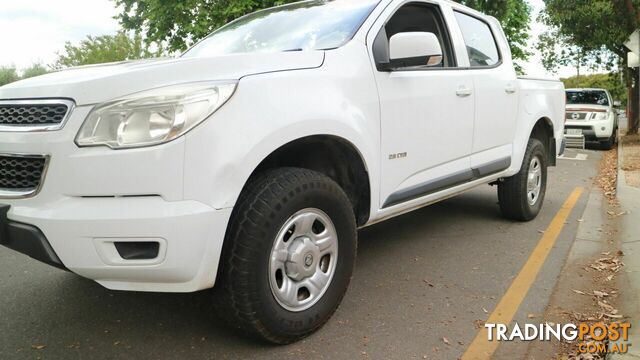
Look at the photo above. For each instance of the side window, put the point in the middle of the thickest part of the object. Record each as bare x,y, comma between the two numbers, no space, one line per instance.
481,45
415,17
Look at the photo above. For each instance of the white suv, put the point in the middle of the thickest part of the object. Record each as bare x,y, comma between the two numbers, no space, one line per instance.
591,115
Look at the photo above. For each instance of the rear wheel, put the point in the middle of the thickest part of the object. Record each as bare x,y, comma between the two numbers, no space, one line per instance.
521,196
289,255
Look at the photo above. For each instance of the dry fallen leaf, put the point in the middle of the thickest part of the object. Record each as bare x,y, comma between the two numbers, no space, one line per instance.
446,341
600,293
614,316
606,307
578,292
38,347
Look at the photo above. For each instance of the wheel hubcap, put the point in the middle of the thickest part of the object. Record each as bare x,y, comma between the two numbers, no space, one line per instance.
534,180
303,259
302,256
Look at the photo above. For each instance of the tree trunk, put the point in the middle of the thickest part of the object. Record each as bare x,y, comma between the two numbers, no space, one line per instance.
634,100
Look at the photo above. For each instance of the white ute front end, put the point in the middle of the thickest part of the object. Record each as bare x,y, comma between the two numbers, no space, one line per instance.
91,198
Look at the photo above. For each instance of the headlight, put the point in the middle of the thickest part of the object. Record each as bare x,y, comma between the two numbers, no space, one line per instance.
601,115
153,117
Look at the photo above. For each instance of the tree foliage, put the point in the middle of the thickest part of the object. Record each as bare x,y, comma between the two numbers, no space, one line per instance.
592,33
592,25
8,74
181,23
104,49
34,70
610,81
514,15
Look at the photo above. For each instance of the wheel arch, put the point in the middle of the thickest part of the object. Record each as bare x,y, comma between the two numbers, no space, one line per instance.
331,155
544,125
543,130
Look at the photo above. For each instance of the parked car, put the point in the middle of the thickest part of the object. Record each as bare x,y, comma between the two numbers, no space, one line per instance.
591,113
250,161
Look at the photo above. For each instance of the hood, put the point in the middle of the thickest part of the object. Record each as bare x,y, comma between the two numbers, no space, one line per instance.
98,83
587,107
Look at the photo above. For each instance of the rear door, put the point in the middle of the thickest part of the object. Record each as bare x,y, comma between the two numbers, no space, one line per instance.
496,87
426,112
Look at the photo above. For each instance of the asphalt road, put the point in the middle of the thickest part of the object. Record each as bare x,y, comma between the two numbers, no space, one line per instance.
420,278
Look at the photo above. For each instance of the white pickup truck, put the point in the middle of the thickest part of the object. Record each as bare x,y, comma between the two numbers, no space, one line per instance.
250,161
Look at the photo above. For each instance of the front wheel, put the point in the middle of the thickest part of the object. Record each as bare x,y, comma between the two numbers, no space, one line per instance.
521,196
610,142
289,255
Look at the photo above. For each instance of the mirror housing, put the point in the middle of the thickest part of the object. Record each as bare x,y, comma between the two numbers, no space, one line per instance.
617,103
414,49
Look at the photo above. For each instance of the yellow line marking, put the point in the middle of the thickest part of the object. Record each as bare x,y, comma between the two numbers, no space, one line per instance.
506,309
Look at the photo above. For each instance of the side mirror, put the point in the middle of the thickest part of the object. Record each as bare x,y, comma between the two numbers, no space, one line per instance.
617,103
414,49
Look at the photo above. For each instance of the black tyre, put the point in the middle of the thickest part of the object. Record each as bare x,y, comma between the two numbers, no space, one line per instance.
289,255
522,195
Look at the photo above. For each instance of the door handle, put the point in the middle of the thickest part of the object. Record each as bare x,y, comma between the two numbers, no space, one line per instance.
510,89
463,91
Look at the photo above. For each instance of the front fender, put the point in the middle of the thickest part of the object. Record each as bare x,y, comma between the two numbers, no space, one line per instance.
222,153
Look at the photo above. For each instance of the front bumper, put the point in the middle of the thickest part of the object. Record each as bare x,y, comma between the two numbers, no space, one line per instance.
593,131
92,198
80,234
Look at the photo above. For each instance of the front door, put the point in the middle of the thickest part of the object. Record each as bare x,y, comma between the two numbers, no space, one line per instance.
427,114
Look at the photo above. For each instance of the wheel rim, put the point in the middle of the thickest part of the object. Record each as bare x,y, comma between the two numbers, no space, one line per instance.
534,180
303,259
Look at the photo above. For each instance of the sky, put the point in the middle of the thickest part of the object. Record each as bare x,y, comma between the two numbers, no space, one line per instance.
34,31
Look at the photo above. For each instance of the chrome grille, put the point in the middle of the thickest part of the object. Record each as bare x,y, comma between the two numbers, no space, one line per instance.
571,115
34,115
21,175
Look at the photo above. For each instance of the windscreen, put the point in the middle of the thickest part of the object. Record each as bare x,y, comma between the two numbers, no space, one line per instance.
587,97
308,25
